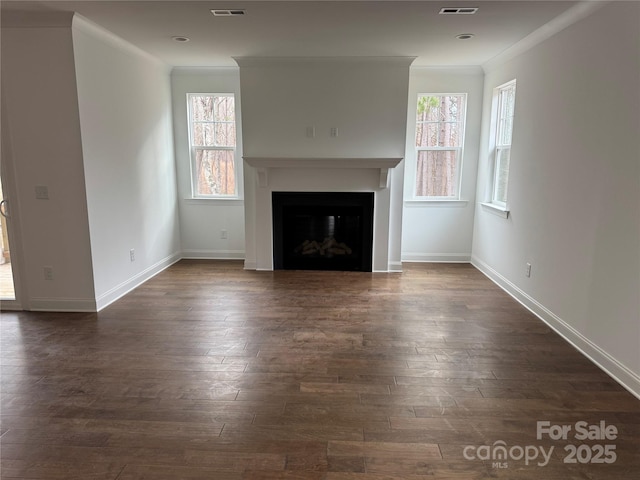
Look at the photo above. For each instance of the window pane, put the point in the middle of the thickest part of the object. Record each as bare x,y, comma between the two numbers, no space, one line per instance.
428,108
506,131
453,106
420,134
503,156
215,172
203,135
440,108
503,137
436,173
427,135
202,108
226,134
449,135
505,115
224,109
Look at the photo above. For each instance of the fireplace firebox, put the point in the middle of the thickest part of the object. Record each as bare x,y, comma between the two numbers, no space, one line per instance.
323,230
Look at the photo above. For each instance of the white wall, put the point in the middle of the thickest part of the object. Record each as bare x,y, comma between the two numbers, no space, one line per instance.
442,231
364,98
125,113
41,106
574,187
202,220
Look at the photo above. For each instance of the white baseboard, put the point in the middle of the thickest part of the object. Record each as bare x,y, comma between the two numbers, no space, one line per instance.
395,267
10,306
125,287
616,370
250,265
436,257
44,304
213,254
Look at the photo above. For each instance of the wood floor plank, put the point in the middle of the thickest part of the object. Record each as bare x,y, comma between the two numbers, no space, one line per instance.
209,371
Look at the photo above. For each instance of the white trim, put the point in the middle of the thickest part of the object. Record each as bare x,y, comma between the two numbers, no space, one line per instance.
286,61
567,18
14,223
250,265
193,148
497,118
8,305
85,25
414,257
413,163
202,70
263,164
322,162
458,69
213,254
127,286
436,202
495,209
395,267
36,19
214,201
45,304
612,367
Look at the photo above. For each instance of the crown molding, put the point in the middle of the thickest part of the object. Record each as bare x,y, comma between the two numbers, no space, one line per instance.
573,15
36,19
84,25
292,61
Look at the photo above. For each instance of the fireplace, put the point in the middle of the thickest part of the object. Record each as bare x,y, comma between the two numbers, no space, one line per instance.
323,230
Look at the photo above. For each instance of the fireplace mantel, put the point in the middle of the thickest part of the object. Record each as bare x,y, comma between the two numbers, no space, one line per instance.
263,164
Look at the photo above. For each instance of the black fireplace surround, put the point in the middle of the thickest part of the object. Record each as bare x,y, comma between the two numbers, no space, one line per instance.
323,230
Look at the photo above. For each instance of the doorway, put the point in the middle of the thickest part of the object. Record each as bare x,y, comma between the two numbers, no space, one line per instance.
7,285
11,290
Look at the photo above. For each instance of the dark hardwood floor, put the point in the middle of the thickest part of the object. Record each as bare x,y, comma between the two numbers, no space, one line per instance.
211,372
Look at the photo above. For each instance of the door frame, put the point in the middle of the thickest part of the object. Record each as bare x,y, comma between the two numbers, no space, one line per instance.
14,227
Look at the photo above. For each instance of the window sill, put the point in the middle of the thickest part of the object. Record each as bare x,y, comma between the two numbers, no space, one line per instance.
495,209
438,202
227,202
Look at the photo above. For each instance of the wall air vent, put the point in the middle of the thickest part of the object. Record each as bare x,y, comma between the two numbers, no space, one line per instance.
227,13
458,10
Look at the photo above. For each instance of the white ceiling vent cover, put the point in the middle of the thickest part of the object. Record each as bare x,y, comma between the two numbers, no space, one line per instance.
458,10
227,13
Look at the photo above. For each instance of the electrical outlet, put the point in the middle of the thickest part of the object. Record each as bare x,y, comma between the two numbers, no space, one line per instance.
223,234
527,271
48,273
311,132
132,255
333,131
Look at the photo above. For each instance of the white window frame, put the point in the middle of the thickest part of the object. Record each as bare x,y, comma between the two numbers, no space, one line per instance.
193,149
497,125
459,149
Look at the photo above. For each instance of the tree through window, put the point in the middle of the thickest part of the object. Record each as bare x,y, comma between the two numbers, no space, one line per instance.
212,132
439,141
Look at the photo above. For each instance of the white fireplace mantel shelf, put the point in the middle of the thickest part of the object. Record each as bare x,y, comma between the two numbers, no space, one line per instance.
263,164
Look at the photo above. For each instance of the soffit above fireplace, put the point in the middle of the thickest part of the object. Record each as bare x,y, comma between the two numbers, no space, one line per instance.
263,164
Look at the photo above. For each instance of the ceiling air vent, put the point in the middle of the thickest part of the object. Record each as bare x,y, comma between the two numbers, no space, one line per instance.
227,13
458,10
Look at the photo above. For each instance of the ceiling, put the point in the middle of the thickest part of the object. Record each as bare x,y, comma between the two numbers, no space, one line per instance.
314,28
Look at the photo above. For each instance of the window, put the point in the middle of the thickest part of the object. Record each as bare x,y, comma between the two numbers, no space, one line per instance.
505,98
212,138
439,141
